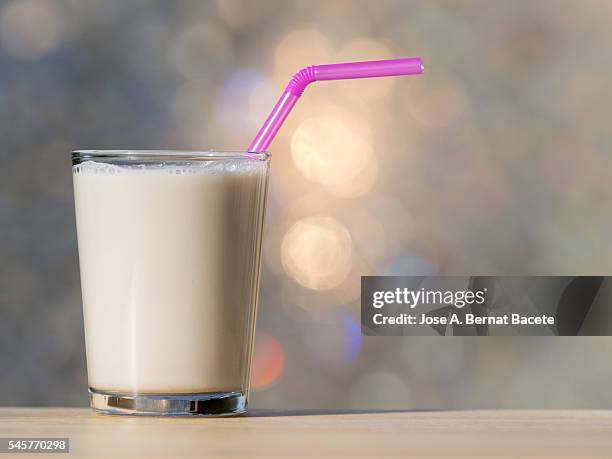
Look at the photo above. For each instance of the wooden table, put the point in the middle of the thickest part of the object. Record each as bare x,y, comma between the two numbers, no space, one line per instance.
316,434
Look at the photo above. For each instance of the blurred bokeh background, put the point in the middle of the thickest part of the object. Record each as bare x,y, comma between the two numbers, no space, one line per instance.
496,162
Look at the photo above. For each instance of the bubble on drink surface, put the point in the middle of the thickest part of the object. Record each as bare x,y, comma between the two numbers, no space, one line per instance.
214,167
91,167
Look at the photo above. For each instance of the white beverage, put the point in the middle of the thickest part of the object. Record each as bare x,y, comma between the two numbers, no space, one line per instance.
169,260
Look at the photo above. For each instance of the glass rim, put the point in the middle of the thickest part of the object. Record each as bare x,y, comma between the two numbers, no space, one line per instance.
171,154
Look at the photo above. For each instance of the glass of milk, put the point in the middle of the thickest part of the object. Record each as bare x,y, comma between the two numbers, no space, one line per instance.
169,250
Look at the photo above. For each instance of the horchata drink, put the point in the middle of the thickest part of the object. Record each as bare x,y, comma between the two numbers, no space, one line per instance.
169,246
169,250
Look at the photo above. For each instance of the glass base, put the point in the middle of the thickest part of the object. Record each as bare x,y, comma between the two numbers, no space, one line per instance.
206,404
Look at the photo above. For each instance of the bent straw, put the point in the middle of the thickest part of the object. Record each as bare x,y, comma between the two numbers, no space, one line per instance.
295,88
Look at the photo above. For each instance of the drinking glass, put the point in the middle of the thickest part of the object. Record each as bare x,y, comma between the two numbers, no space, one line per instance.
169,252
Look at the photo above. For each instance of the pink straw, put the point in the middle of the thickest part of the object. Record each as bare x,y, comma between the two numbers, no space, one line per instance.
295,88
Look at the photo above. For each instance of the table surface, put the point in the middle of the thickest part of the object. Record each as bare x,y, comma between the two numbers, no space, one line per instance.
321,434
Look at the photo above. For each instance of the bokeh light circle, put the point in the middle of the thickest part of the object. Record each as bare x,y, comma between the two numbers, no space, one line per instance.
335,150
316,252
30,29
268,360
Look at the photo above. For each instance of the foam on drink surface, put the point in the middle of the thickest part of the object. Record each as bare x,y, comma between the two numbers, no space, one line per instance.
215,167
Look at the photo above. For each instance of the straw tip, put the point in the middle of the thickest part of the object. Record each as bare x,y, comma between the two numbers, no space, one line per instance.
421,65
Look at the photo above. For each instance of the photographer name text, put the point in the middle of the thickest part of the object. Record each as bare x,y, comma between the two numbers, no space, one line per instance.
463,319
